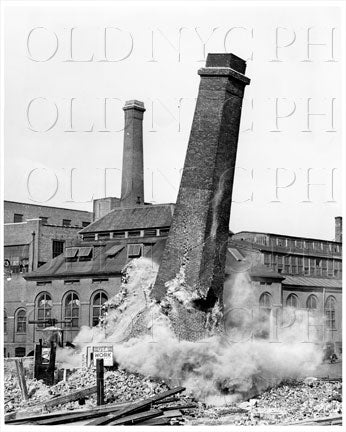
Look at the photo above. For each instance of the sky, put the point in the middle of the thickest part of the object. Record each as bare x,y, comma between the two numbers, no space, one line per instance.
70,67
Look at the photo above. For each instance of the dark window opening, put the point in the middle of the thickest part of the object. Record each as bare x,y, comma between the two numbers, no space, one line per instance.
42,283
19,352
99,280
150,232
118,234
165,231
66,222
88,237
71,281
44,219
85,224
17,218
134,233
57,248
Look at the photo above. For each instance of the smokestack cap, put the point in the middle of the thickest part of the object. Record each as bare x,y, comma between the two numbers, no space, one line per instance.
226,60
134,104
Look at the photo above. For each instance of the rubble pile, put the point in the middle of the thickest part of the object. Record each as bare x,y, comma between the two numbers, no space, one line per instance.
120,386
290,402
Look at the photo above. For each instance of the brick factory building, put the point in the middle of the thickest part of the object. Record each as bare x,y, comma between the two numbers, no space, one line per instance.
72,285
33,235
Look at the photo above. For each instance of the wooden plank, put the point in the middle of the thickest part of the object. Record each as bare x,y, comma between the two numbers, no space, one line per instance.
136,418
70,397
100,382
58,414
178,407
158,421
21,379
135,407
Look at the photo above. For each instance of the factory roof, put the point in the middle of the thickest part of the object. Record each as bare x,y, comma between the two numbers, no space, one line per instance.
140,217
311,282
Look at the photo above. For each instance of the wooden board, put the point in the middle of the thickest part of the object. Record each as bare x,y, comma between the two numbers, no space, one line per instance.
70,397
135,407
136,418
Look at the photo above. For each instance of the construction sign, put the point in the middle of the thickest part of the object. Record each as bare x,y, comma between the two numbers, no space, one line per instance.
103,352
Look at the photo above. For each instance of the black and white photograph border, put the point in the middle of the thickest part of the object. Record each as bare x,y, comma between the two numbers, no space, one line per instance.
172,175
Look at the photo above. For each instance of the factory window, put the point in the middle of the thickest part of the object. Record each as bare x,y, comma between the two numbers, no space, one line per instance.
118,234
306,266
71,281
330,312
71,310
44,220
165,231
300,265
265,300
330,267
294,265
44,309
99,280
17,218
21,321
134,250
298,244
267,259
57,248
311,302
99,300
265,309
88,237
150,232
292,301
85,224
43,283
104,236
66,222
19,352
5,321
287,264
312,266
134,233
324,267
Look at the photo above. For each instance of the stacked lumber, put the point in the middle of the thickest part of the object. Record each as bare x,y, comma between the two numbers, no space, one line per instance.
119,386
155,410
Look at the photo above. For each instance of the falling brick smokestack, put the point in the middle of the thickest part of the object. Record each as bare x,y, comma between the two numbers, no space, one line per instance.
338,229
132,185
198,236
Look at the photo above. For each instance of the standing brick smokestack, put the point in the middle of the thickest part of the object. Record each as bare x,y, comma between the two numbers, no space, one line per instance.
132,187
338,229
199,233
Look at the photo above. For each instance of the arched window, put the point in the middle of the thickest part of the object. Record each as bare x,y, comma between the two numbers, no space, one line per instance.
329,309
21,321
311,302
265,300
5,321
292,301
71,309
99,299
44,309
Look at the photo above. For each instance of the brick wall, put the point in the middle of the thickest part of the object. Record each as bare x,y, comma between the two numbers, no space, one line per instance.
19,293
55,214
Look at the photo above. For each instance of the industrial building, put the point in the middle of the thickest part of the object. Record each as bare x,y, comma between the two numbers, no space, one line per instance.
72,283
